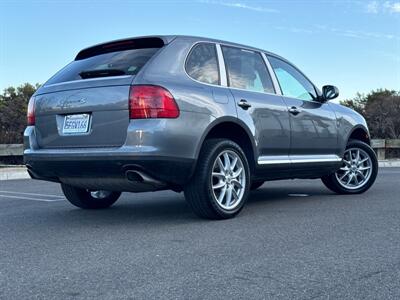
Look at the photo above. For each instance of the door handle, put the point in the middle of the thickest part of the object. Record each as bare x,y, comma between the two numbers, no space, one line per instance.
294,110
244,104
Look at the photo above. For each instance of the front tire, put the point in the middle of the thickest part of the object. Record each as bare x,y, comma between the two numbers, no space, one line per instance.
87,199
358,172
221,182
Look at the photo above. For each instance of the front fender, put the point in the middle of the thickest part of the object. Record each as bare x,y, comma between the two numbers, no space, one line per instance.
348,121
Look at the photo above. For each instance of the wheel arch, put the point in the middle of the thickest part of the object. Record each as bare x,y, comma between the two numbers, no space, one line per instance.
236,130
360,133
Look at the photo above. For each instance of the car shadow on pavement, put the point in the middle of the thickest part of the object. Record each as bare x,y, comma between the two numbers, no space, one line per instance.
169,207
277,194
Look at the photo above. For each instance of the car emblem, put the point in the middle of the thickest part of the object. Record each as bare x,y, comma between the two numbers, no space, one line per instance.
72,102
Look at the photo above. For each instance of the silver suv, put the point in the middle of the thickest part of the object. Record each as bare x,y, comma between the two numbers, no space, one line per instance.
211,118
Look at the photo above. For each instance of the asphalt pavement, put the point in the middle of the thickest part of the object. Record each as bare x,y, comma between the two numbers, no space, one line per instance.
294,239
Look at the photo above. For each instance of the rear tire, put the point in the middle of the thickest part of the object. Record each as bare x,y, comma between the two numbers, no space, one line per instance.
221,182
358,172
89,200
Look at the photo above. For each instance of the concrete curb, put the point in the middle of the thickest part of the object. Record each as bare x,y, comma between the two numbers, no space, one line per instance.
13,173
10,173
395,163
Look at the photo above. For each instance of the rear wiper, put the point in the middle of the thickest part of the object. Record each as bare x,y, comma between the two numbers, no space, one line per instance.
101,73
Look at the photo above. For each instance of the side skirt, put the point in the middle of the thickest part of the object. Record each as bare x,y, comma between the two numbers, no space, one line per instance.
296,166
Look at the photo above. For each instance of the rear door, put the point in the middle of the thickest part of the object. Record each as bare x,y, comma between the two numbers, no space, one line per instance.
313,123
258,105
86,104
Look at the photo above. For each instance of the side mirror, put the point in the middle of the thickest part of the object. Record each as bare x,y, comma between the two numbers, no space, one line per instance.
330,92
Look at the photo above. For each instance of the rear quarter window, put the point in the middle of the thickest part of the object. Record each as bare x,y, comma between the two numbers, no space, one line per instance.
129,61
202,63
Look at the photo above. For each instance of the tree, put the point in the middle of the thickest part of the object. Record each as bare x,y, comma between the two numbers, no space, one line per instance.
357,103
13,106
381,109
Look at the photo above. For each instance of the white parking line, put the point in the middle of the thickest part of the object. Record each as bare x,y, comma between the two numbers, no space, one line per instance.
29,198
298,195
31,194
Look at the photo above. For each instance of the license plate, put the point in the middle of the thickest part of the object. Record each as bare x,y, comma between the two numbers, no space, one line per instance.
76,123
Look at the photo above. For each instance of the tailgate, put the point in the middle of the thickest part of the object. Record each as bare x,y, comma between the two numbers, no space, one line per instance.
105,109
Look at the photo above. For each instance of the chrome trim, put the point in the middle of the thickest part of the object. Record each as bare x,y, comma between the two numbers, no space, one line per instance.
273,159
315,158
222,69
295,159
272,74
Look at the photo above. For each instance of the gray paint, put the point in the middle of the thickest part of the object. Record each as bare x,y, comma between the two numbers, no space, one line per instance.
319,130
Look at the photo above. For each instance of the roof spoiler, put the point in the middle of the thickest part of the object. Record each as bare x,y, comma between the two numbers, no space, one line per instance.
120,45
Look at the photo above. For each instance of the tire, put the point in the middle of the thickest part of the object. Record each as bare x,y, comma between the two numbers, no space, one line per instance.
85,199
333,181
206,200
256,184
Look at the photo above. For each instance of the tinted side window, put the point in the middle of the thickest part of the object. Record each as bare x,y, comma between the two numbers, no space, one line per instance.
292,82
247,70
202,63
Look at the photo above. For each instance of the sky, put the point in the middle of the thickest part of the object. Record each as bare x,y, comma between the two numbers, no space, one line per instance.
354,45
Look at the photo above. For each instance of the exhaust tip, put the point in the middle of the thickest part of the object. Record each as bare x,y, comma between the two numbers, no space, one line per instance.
134,176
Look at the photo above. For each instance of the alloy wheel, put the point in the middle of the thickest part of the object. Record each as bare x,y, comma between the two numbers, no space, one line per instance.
228,180
356,169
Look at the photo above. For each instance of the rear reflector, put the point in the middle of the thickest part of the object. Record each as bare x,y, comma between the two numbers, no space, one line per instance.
150,101
31,112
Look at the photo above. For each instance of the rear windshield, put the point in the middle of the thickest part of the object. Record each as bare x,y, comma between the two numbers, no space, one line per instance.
128,61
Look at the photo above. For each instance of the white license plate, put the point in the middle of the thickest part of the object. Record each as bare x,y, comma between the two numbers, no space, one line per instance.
76,123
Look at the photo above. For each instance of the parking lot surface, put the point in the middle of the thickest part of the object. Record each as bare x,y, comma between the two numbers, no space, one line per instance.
294,239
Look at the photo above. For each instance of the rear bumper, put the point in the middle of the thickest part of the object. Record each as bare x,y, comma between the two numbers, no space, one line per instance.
163,149
105,166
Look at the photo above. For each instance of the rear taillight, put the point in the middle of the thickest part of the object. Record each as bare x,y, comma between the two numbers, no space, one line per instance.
150,101
31,112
